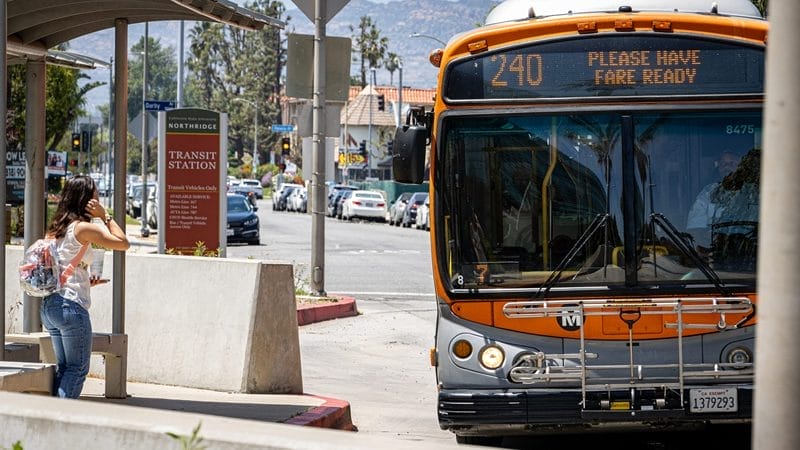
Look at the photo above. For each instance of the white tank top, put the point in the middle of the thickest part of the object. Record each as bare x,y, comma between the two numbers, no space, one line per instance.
76,287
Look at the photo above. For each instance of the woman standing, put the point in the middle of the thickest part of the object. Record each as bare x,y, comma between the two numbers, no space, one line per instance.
65,313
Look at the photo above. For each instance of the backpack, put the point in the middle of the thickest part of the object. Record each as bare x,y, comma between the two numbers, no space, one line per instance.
40,273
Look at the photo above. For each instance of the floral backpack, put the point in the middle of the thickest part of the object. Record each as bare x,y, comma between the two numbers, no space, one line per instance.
40,273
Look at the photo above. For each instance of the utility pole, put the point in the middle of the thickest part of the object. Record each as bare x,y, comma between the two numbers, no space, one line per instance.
318,150
777,387
145,230
109,171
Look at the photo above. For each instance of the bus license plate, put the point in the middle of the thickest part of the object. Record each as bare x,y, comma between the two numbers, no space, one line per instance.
713,400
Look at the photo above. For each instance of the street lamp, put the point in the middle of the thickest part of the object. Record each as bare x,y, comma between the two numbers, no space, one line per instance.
255,132
417,35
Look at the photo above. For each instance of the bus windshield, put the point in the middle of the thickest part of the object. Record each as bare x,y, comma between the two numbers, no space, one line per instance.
529,200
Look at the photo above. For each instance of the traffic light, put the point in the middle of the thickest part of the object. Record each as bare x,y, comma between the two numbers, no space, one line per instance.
286,145
362,147
86,141
76,142
73,162
381,102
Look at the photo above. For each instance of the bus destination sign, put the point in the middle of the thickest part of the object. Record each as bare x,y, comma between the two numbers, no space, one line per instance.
609,66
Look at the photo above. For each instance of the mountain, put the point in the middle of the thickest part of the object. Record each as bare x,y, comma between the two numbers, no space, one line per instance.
395,19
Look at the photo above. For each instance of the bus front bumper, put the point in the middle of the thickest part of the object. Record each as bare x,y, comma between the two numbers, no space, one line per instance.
525,411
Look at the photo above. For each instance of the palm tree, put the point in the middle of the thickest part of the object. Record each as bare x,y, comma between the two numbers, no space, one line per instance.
368,46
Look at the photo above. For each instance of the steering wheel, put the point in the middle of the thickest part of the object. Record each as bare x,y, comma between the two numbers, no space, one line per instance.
753,225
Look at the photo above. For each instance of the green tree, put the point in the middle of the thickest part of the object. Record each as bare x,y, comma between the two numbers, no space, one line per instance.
162,70
64,102
227,63
368,46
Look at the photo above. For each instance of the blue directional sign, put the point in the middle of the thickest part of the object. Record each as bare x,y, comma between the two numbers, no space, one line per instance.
159,105
281,128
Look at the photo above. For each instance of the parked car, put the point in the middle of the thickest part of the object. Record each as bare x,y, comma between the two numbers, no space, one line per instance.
334,194
397,208
134,203
410,212
423,215
298,200
341,199
248,185
276,194
283,200
364,204
243,224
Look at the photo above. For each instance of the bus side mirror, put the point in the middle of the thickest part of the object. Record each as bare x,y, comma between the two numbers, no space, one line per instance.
408,157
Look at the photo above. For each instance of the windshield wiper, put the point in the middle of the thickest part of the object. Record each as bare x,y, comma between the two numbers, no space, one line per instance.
597,222
675,236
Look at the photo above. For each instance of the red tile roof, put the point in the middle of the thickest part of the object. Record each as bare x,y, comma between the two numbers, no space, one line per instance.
411,96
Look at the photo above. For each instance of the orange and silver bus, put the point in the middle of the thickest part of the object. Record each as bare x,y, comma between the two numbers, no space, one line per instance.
594,189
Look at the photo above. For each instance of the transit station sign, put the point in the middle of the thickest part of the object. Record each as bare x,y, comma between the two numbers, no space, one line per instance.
192,167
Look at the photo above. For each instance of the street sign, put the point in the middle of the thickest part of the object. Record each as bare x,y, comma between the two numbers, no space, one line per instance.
332,7
159,105
282,128
300,80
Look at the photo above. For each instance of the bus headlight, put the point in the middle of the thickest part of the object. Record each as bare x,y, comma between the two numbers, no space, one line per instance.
491,357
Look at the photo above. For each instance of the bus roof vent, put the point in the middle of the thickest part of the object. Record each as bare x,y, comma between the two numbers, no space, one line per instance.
514,10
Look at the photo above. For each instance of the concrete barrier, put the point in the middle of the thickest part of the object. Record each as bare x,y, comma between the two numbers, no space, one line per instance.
208,323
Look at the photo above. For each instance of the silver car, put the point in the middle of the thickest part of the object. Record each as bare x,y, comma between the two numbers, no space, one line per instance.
397,208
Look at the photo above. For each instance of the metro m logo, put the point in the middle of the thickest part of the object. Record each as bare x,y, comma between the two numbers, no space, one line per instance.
570,319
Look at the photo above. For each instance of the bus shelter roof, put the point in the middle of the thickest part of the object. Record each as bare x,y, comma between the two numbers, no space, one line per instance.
34,26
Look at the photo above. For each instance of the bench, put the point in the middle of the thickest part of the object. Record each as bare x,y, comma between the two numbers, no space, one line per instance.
113,347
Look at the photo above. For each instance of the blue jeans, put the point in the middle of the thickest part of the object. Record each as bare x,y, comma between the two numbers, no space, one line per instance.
71,332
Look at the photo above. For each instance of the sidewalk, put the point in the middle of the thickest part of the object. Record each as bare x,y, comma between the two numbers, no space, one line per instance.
304,410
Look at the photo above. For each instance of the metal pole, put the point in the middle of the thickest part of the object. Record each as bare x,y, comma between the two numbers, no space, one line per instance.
369,128
145,230
109,158
180,67
318,151
255,141
3,150
400,97
120,159
35,203
777,384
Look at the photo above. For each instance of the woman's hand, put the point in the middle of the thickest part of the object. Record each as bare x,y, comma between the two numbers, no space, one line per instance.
95,209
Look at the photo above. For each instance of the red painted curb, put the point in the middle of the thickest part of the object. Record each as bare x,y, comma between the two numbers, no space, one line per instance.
317,312
333,414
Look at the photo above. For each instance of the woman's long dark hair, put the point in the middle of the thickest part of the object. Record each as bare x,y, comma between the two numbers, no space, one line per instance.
76,194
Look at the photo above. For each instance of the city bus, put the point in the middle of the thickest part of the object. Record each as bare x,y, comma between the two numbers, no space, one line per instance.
594,188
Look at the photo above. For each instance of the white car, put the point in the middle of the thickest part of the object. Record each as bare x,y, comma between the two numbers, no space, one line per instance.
364,204
248,185
277,193
423,216
297,200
